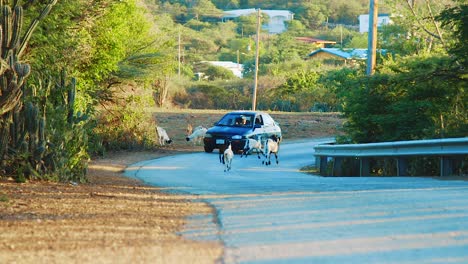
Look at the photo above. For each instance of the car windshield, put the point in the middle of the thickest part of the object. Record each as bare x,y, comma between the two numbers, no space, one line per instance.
238,120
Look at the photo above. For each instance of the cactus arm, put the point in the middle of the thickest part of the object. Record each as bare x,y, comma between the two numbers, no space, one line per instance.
9,101
17,23
33,26
6,25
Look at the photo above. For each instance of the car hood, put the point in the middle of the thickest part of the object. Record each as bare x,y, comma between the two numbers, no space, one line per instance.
228,130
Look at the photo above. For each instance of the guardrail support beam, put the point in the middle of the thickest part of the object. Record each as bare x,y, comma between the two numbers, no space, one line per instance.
337,170
322,164
364,169
446,166
402,166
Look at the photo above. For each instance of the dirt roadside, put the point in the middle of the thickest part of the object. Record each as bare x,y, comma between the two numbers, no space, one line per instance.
115,219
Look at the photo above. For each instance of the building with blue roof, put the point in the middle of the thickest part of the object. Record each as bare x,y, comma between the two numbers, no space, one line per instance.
340,56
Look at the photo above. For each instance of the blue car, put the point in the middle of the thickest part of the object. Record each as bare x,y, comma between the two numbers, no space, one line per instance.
237,126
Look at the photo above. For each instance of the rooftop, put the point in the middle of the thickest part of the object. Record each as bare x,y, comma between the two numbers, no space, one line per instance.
360,54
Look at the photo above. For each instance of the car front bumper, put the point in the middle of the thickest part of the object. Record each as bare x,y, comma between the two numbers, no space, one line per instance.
222,143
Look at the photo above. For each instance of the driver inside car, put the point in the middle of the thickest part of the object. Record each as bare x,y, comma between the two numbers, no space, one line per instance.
242,121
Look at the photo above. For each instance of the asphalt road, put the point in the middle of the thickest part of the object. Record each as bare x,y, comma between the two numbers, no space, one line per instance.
277,214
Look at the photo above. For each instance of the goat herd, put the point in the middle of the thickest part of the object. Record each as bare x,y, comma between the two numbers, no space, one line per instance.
265,147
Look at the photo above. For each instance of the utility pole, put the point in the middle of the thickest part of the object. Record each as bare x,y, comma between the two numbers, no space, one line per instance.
341,36
372,41
178,54
257,53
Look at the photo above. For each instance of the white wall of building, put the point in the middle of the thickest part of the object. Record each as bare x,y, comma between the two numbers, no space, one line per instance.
275,25
364,22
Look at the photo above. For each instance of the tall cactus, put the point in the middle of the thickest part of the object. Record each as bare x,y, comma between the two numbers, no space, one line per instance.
13,74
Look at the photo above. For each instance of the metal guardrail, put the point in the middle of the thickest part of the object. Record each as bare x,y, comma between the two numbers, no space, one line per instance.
445,148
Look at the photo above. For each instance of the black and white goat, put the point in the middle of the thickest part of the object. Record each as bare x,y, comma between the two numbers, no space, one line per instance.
197,136
163,138
251,145
271,146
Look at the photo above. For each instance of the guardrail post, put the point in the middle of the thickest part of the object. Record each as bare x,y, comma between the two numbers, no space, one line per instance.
337,171
446,166
321,164
402,166
364,169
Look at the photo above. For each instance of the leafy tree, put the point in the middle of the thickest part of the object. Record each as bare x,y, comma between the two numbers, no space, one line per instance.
247,25
53,47
221,33
226,4
296,27
205,8
358,42
237,50
414,98
342,83
176,10
92,41
455,20
418,19
284,47
393,38
302,91
216,72
209,95
409,97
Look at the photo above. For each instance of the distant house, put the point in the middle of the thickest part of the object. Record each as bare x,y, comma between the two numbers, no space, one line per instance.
317,42
341,56
382,19
345,54
277,18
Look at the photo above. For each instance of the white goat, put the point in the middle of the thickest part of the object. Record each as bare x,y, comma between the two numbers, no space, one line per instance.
250,145
228,156
162,136
197,135
271,146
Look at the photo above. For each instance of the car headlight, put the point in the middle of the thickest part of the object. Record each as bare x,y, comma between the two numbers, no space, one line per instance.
237,137
208,135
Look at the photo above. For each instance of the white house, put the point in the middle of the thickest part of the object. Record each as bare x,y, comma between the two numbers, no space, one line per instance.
382,19
276,18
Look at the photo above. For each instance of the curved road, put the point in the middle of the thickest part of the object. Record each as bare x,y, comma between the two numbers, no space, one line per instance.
277,214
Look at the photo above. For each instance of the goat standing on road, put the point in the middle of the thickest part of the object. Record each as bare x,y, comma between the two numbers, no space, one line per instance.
228,156
271,146
250,145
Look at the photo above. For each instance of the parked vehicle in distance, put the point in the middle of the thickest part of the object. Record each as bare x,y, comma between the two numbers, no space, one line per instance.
237,126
